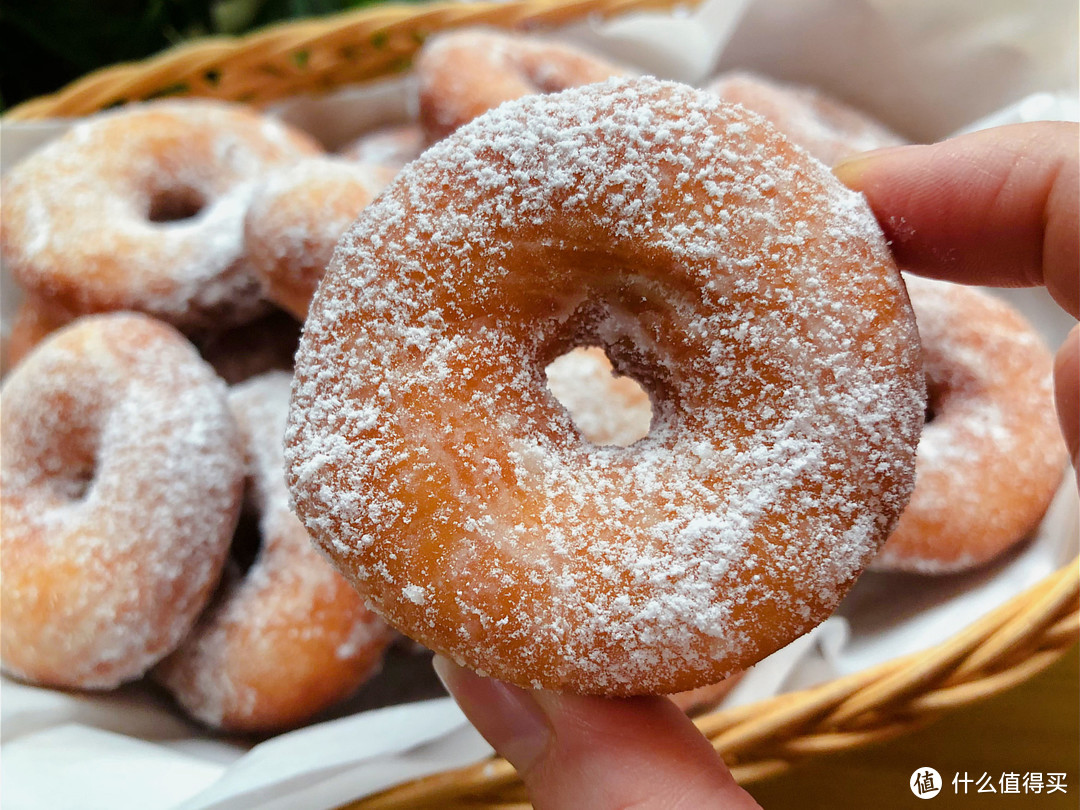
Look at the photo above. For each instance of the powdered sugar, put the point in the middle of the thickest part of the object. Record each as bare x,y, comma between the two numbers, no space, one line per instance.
121,484
467,72
296,218
990,458
289,636
79,225
737,281
823,126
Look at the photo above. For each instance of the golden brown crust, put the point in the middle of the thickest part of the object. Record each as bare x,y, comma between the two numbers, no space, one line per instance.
34,321
466,73
388,147
991,456
288,637
296,219
142,209
824,126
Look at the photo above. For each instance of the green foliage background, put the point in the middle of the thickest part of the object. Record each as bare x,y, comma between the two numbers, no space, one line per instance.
47,43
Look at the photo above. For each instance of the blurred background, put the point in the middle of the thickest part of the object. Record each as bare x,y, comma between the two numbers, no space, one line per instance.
48,43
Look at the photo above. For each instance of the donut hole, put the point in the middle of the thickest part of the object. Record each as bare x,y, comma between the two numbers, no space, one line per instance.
71,464
175,204
606,408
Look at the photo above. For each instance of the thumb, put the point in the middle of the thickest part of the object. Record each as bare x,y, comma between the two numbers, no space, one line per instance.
574,751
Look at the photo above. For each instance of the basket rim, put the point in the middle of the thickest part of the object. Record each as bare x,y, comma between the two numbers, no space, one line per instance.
280,43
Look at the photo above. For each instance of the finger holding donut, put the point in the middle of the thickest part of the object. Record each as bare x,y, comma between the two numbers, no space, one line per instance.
575,751
552,742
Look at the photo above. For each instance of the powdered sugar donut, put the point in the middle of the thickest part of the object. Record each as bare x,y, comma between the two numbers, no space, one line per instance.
465,73
750,294
825,127
296,219
143,209
388,147
991,454
121,482
288,637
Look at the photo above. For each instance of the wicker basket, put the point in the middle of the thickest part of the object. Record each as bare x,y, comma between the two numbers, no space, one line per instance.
1009,645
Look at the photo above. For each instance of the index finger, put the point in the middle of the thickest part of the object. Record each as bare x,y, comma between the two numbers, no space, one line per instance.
999,207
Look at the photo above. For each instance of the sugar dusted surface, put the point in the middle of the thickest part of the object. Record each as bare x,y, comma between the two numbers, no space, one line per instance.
991,457
288,637
825,127
77,229
296,218
464,73
389,147
120,480
749,292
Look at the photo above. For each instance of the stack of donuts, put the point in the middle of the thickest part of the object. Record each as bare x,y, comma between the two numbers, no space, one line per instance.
169,252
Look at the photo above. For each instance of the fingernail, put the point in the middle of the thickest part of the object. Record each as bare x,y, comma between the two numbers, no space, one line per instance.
851,168
508,717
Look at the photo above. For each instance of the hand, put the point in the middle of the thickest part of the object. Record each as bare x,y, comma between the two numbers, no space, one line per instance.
574,752
997,207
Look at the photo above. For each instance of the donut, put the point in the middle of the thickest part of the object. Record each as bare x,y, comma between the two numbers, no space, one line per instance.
33,322
388,147
142,209
464,73
120,485
287,637
991,454
605,408
296,218
824,126
749,293
265,344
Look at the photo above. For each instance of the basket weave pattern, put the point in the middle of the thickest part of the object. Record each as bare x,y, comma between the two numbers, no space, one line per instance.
306,56
1009,645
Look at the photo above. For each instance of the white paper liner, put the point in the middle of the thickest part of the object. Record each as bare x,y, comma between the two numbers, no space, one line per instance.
926,68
